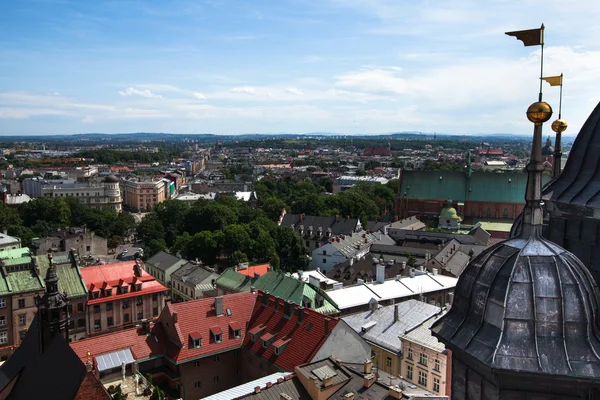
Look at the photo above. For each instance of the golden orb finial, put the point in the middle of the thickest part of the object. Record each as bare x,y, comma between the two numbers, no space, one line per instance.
559,126
539,112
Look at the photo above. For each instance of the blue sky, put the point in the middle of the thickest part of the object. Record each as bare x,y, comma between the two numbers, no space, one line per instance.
296,66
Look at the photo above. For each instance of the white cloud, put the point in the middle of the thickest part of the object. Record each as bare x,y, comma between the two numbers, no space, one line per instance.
130,91
378,81
294,91
199,96
245,89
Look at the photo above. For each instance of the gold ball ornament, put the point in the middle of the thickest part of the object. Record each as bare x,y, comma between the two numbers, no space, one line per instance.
559,126
539,112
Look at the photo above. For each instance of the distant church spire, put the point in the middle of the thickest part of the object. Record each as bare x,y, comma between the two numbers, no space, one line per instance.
53,309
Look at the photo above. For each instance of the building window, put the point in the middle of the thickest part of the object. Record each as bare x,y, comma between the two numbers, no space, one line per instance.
140,314
109,321
22,319
139,300
21,303
237,333
126,317
216,379
125,303
422,378
388,362
217,358
488,212
97,324
410,354
436,365
218,338
154,296
124,289
2,302
138,287
71,324
197,384
109,306
79,307
505,213
409,372
96,308
436,385
197,343
3,337
154,311
2,321
22,335
108,292
196,363
324,252
81,323
423,359
324,261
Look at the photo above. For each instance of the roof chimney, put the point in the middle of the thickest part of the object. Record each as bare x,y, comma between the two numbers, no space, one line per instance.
326,326
380,273
300,315
174,316
138,267
395,392
349,396
284,396
257,389
369,380
327,381
368,367
219,305
396,312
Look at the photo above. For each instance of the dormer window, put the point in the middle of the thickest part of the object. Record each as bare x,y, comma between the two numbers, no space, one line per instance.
218,338
124,289
108,292
267,338
236,329
196,340
217,334
95,295
138,287
197,343
237,333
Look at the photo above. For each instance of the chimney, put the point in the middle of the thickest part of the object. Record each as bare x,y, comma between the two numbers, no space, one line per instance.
88,366
219,305
301,217
174,316
380,273
269,384
411,273
327,381
434,271
300,315
395,393
284,396
338,362
349,396
326,326
265,299
396,312
450,298
257,389
369,380
368,367
137,267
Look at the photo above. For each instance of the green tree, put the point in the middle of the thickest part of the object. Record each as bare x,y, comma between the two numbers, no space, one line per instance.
236,237
182,244
55,212
151,229
207,215
205,246
273,207
153,247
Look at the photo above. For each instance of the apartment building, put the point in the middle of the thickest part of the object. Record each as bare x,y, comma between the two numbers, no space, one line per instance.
192,281
120,295
83,241
105,194
141,196
426,362
21,285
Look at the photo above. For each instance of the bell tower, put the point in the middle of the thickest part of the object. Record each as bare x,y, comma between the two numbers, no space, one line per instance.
53,309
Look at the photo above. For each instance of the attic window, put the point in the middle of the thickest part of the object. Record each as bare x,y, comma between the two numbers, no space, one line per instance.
197,343
138,287
196,339
217,334
236,329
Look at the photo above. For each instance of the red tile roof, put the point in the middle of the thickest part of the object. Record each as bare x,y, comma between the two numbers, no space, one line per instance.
200,316
142,346
235,325
117,275
92,389
376,151
255,269
305,339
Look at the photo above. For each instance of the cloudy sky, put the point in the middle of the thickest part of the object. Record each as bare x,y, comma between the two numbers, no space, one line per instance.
296,66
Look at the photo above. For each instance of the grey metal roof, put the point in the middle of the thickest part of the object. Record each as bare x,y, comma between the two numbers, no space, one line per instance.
422,336
194,274
579,182
163,261
526,305
385,331
247,388
114,359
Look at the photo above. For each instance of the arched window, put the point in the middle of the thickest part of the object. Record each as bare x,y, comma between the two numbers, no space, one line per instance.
505,213
489,212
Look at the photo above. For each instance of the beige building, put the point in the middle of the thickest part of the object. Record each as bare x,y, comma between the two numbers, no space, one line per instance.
105,194
425,361
140,196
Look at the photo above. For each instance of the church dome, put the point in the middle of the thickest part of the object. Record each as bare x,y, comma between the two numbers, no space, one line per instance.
528,305
548,150
111,179
449,213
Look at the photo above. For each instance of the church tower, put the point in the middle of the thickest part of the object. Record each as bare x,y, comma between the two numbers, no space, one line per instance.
524,323
53,310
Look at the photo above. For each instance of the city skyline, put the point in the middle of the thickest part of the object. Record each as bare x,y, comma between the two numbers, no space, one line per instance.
343,66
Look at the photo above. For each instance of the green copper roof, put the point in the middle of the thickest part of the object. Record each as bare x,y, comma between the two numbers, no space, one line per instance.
21,276
231,280
507,187
69,276
277,284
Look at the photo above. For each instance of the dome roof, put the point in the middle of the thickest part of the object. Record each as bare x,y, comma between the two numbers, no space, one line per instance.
449,213
526,305
111,179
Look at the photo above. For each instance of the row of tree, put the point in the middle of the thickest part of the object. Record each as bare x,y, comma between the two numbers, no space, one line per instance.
42,216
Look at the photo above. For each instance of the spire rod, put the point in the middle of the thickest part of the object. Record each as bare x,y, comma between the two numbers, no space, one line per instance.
541,60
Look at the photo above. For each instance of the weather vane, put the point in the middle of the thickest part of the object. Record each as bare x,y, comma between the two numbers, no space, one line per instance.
533,37
558,126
